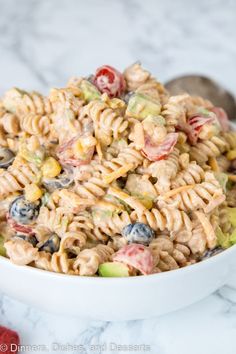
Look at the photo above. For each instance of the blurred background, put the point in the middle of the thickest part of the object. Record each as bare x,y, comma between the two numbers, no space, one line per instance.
44,42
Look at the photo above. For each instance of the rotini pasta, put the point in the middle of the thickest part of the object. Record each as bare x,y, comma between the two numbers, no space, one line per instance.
57,262
89,259
169,255
192,174
112,176
17,176
140,80
107,123
35,124
206,195
205,149
22,102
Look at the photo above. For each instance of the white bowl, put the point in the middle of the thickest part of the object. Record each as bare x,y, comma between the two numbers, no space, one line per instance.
117,298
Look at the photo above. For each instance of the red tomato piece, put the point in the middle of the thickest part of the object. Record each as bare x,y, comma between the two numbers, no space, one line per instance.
195,124
77,162
137,256
109,80
18,227
62,148
9,341
72,160
222,118
161,151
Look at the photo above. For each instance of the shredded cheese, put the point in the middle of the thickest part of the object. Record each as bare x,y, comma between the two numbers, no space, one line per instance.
176,191
133,202
99,151
108,205
118,173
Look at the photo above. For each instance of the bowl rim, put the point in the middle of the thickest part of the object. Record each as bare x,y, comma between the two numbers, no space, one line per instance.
118,280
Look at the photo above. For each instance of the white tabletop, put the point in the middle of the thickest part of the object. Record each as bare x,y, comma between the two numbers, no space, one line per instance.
42,44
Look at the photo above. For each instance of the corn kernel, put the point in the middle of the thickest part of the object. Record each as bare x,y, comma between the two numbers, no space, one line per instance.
214,164
231,155
78,148
51,168
32,192
147,202
182,138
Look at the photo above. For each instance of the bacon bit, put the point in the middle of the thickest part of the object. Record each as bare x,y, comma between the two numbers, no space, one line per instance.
137,256
18,227
222,118
109,80
161,151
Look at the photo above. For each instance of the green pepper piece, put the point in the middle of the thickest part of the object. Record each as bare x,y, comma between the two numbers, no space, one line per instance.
90,91
141,106
113,269
2,248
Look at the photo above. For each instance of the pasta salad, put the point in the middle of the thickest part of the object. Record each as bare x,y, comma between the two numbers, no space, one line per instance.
111,176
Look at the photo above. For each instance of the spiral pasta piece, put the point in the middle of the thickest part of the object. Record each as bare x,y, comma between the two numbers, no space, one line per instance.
197,242
67,99
191,175
61,222
83,222
230,138
54,220
35,124
72,242
107,123
168,255
206,195
56,262
20,252
113,225
174,111
128,159
88,260
93,188
17,176
10,123
136,76
207,148
172,220
164,171
140,80
22,102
